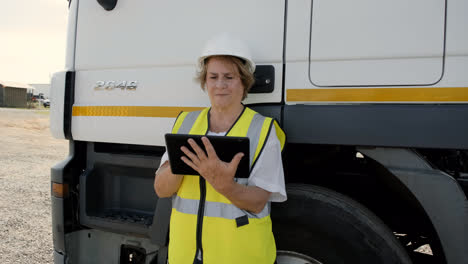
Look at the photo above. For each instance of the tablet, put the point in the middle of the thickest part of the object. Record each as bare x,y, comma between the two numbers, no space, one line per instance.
226,148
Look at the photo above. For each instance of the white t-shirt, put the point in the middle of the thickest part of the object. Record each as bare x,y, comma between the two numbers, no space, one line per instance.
268,171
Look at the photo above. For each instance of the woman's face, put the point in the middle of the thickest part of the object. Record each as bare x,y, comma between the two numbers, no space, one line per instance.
223,83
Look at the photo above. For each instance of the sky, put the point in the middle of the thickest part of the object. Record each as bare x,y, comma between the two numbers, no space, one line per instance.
32,39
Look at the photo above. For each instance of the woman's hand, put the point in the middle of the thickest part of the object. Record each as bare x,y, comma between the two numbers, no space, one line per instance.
221,174
218,173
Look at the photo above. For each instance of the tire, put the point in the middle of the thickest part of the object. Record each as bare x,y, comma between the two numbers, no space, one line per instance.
317,225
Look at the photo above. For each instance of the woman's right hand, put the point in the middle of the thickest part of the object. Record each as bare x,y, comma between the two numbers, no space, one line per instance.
166,183
218,173
221,174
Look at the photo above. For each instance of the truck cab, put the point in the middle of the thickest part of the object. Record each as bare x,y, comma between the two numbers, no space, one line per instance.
372,96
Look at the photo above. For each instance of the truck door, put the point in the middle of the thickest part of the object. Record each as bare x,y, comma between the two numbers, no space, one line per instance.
130,71
357,45
135,64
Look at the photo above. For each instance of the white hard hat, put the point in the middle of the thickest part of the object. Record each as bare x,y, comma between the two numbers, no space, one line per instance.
226,44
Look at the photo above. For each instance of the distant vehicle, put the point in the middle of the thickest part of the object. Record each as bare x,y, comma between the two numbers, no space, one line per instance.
38,97
46,103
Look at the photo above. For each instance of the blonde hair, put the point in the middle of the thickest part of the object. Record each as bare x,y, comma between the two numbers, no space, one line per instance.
247,77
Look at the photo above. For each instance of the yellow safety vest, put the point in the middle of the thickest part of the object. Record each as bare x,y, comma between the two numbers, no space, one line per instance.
205,226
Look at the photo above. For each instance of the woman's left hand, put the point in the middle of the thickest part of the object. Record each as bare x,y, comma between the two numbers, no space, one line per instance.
218,173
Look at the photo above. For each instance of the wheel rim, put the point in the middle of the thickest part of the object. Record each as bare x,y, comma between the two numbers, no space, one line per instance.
290,257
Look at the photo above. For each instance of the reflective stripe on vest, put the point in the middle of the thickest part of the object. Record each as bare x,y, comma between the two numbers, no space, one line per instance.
215,209
251,243
188,122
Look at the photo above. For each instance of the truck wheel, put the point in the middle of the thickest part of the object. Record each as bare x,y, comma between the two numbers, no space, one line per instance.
317,225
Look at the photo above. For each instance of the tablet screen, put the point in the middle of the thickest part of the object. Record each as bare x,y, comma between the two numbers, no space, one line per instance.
226,148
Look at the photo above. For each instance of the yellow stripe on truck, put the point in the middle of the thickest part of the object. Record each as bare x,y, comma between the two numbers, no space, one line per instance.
139,111
435,94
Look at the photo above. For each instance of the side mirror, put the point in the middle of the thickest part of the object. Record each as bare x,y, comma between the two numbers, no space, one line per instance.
108,4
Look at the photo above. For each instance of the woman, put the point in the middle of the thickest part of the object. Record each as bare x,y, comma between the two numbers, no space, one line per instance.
217,218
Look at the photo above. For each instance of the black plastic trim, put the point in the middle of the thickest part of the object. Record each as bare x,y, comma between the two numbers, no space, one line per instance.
264,79
128,149
58,224
398,125
285,29
273,110
68,103
61,207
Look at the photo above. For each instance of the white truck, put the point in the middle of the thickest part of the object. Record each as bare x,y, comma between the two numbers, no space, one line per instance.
372,94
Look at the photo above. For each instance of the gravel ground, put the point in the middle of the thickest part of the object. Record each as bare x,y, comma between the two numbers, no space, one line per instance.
27,151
